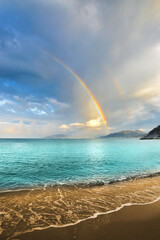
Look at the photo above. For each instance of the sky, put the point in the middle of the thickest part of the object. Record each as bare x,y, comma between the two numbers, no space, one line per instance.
113,46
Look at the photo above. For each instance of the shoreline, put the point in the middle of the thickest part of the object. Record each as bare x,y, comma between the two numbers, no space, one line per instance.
93,217
89,184
67,207
93,227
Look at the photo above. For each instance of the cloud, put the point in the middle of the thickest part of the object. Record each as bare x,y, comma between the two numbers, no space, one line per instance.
85,35
111,128
26,128
150,91
85,14
37,111
77,124
57,103
41,123
4,102
94,123
29,106
27,122
64,127
87,129
11,110
146,93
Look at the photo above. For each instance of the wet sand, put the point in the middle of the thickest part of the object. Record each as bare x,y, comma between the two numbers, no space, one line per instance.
66,212
131,222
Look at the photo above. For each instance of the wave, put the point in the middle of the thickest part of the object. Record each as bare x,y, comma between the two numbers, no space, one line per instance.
134,177
85,184
95,215
63,206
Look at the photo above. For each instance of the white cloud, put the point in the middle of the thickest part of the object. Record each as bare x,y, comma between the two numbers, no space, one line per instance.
64,127
5,101
150,90
94,123
37,111
77,124
11,110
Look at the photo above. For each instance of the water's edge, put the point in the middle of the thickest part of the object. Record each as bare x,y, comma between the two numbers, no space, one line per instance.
95,183
63,206
91,217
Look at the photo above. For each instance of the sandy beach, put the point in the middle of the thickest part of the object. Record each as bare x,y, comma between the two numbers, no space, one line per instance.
131,222
124,210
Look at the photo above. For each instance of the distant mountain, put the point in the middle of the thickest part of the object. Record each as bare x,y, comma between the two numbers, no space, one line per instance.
57,136
153,134
63,136
126,134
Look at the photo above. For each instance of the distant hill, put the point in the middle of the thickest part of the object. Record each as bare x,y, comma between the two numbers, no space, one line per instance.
153,134
126,134
63,136
57,136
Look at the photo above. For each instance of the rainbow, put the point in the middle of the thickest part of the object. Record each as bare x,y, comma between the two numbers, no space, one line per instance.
119,89
90,94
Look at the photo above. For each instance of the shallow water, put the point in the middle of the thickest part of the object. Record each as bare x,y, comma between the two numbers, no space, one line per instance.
27,210
30,163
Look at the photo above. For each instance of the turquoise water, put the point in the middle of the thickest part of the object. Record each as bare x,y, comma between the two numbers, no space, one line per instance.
30,163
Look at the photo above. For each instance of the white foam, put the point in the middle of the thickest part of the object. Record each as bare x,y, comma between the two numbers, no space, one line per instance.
95,215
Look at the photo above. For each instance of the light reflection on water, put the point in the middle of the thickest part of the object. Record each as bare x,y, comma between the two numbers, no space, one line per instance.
25,163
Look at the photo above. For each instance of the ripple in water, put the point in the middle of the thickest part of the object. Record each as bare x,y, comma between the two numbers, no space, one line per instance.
26,210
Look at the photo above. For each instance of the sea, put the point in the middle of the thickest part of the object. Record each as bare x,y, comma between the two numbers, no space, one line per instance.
28,163
56,183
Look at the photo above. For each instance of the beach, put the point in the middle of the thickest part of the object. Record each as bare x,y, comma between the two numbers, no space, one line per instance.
132,222
119,210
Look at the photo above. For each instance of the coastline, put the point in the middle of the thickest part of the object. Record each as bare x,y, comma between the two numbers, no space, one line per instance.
63,207
140,222
85,184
